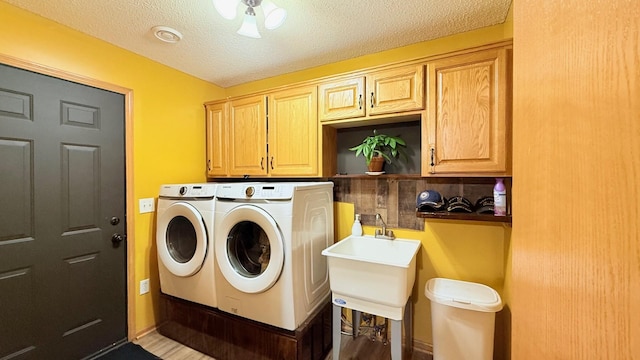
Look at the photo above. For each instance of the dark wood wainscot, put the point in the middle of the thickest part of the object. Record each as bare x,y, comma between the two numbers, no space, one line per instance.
228,337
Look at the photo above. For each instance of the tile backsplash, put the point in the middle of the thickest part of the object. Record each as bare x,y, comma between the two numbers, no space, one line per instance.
395,197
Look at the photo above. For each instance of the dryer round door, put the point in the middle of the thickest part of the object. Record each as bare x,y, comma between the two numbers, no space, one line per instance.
249,249
182,239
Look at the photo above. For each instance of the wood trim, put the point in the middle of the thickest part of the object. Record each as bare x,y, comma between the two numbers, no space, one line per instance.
422,347
372,120
444,215
62,74
129,183
130,203
144,332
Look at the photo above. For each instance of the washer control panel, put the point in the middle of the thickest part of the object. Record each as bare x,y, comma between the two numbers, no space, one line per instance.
266,191
188,191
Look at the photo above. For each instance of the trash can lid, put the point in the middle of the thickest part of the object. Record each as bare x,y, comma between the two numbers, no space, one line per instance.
463,294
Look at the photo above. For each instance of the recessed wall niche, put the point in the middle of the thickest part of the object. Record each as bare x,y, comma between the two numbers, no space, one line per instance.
349,164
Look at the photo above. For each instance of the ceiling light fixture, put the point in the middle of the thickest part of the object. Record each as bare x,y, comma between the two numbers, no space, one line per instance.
273,15
167,34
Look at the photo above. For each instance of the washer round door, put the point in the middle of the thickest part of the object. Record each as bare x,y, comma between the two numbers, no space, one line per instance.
182,239
249,249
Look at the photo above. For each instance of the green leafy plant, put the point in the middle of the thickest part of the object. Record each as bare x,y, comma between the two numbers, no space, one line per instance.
387,146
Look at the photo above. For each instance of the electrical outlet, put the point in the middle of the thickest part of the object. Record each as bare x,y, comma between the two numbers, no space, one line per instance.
146,205
144,286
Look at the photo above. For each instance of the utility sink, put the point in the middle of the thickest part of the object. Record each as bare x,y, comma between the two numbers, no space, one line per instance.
372,274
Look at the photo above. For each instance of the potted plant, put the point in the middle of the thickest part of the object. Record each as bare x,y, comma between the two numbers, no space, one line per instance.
379,148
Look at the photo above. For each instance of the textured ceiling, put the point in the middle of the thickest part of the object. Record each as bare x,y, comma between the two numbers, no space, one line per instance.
316,32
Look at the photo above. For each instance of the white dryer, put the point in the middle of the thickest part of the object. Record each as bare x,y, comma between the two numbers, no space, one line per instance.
184,238
268,247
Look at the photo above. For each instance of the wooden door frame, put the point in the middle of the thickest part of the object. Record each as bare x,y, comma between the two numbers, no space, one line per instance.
128,132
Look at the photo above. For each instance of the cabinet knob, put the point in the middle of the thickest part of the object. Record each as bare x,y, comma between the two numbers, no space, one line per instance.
272,163
209,165
262,163
372,99
360,101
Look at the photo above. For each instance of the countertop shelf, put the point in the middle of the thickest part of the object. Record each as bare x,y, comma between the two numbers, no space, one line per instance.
467,177
463,216
384,176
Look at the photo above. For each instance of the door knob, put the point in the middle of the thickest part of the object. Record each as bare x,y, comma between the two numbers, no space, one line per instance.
116,239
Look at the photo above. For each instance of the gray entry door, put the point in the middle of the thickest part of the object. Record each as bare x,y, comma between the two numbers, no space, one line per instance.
62,197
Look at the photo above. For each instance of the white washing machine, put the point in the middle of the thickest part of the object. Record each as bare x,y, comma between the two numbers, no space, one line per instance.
184,238
268,247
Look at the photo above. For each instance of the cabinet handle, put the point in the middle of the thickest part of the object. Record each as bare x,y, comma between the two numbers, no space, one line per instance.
372,99
360,101
262,163
433,150
272,163
209,165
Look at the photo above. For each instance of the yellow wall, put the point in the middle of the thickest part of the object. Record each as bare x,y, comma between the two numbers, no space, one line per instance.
168,118
424,49
470,251
463,250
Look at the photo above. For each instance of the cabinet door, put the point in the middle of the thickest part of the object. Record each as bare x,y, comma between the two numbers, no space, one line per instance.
467,114
293,132
395,90
342,99
248,136
216,117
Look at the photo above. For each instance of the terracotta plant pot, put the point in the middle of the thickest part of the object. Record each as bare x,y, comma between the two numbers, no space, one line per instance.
376,164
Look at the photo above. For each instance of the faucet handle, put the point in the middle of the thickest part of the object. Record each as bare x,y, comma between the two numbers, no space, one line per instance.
387,234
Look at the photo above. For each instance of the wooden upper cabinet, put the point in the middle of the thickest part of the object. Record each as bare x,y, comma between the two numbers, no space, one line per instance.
247,131
342,99
216,127
466,127
387,91
244,139
293,132
395,90
463,100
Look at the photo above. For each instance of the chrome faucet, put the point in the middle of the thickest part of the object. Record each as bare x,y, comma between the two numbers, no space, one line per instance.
383,233
384,225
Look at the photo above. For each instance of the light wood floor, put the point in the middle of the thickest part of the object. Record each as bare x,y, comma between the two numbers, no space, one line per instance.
168,349
360,348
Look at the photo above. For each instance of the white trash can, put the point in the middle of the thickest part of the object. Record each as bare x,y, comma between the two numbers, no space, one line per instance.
462,319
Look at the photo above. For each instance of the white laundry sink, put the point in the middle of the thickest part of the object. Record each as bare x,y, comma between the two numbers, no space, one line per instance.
371,274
